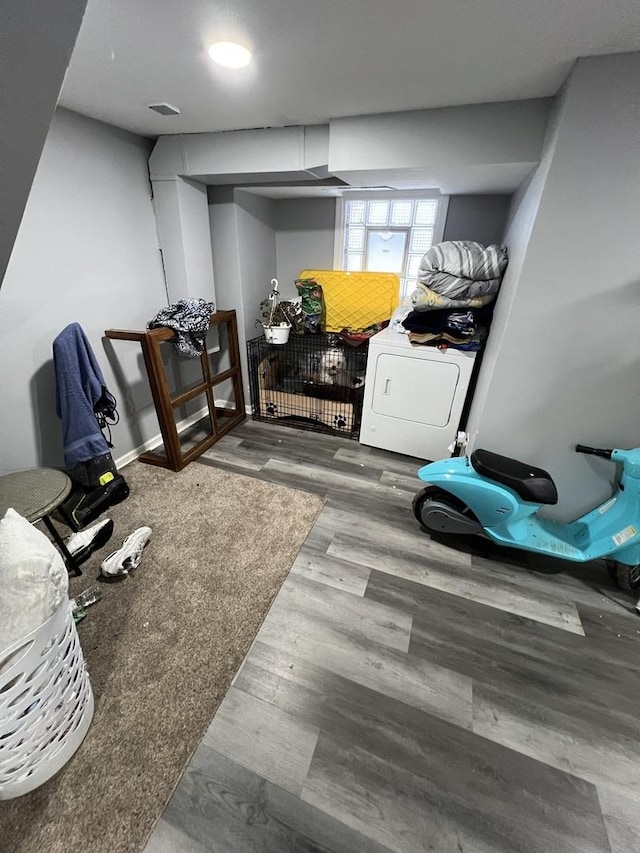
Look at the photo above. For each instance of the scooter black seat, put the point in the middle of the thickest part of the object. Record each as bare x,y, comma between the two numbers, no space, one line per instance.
531,484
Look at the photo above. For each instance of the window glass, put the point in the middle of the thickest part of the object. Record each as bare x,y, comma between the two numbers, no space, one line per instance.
389,235
426,212
355,212
421,239
401,212
377,212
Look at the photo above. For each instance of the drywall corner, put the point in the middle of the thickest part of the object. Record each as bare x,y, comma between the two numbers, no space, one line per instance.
36,42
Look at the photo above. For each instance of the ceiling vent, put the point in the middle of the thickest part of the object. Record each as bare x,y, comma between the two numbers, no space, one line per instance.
165,109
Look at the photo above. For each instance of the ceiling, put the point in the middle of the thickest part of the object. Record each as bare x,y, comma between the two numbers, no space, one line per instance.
277,191
320,59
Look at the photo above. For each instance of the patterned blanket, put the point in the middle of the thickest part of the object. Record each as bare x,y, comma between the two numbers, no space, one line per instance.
189,318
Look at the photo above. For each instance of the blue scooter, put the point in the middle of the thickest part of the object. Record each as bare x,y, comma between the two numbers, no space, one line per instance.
499,498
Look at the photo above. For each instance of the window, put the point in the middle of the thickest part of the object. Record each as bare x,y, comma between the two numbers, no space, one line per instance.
390,232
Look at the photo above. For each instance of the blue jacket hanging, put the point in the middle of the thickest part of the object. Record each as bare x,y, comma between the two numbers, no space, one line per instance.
83,401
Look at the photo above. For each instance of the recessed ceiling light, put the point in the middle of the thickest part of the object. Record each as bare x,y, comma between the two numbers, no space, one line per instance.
230,54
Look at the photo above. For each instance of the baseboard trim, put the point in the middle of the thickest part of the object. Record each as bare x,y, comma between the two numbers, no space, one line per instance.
156,440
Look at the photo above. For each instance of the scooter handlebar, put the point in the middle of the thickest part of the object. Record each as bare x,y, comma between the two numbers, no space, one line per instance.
593,451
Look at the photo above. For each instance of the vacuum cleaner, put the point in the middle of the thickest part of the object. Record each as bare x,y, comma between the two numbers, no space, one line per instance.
97,485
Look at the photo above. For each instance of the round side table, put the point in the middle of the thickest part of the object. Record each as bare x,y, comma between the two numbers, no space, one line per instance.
34,493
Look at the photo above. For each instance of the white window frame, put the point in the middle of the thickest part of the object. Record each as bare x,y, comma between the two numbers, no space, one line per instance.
391,195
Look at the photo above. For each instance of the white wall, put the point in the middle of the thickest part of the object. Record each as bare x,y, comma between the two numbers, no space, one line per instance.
508,132
478,148
36,40
477,217
305,231
562,362
243,240
86,251
521,218
242,156
257,251
182,215
224,245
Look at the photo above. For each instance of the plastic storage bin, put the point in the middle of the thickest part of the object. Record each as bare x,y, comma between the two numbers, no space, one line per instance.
356,299
46,704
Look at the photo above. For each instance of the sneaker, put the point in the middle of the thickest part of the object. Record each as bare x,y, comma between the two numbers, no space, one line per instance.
81,545
129,556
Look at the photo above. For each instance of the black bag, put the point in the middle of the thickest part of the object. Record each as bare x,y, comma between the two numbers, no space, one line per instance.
95,472
84,505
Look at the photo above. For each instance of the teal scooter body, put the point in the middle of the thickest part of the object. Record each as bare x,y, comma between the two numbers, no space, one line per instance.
491,507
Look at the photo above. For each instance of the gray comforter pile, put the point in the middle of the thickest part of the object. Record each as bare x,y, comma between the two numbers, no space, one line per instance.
457,273
461,268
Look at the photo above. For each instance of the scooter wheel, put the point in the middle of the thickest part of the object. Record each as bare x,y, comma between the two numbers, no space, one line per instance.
626,577
430,493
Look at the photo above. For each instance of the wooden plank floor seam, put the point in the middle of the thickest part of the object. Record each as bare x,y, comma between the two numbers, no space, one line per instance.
406,694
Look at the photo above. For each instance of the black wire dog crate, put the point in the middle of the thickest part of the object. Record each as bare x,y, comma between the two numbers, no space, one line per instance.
313,382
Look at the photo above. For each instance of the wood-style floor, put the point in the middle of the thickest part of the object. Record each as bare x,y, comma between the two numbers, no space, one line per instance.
409,695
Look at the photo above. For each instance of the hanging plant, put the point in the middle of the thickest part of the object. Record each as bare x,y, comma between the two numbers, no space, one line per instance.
278,317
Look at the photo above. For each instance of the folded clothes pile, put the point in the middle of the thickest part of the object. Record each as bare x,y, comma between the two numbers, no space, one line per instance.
444,327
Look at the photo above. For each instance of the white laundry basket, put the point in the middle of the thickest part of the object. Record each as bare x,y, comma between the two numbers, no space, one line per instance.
46,704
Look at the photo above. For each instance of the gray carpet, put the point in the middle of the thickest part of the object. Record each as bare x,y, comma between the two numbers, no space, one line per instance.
162,647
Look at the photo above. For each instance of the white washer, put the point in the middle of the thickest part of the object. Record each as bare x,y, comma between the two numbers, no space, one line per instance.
413,396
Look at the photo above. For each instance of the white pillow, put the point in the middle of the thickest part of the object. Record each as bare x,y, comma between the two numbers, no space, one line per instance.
33,578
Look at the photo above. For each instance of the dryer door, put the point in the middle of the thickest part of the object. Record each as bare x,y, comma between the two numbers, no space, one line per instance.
415,389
